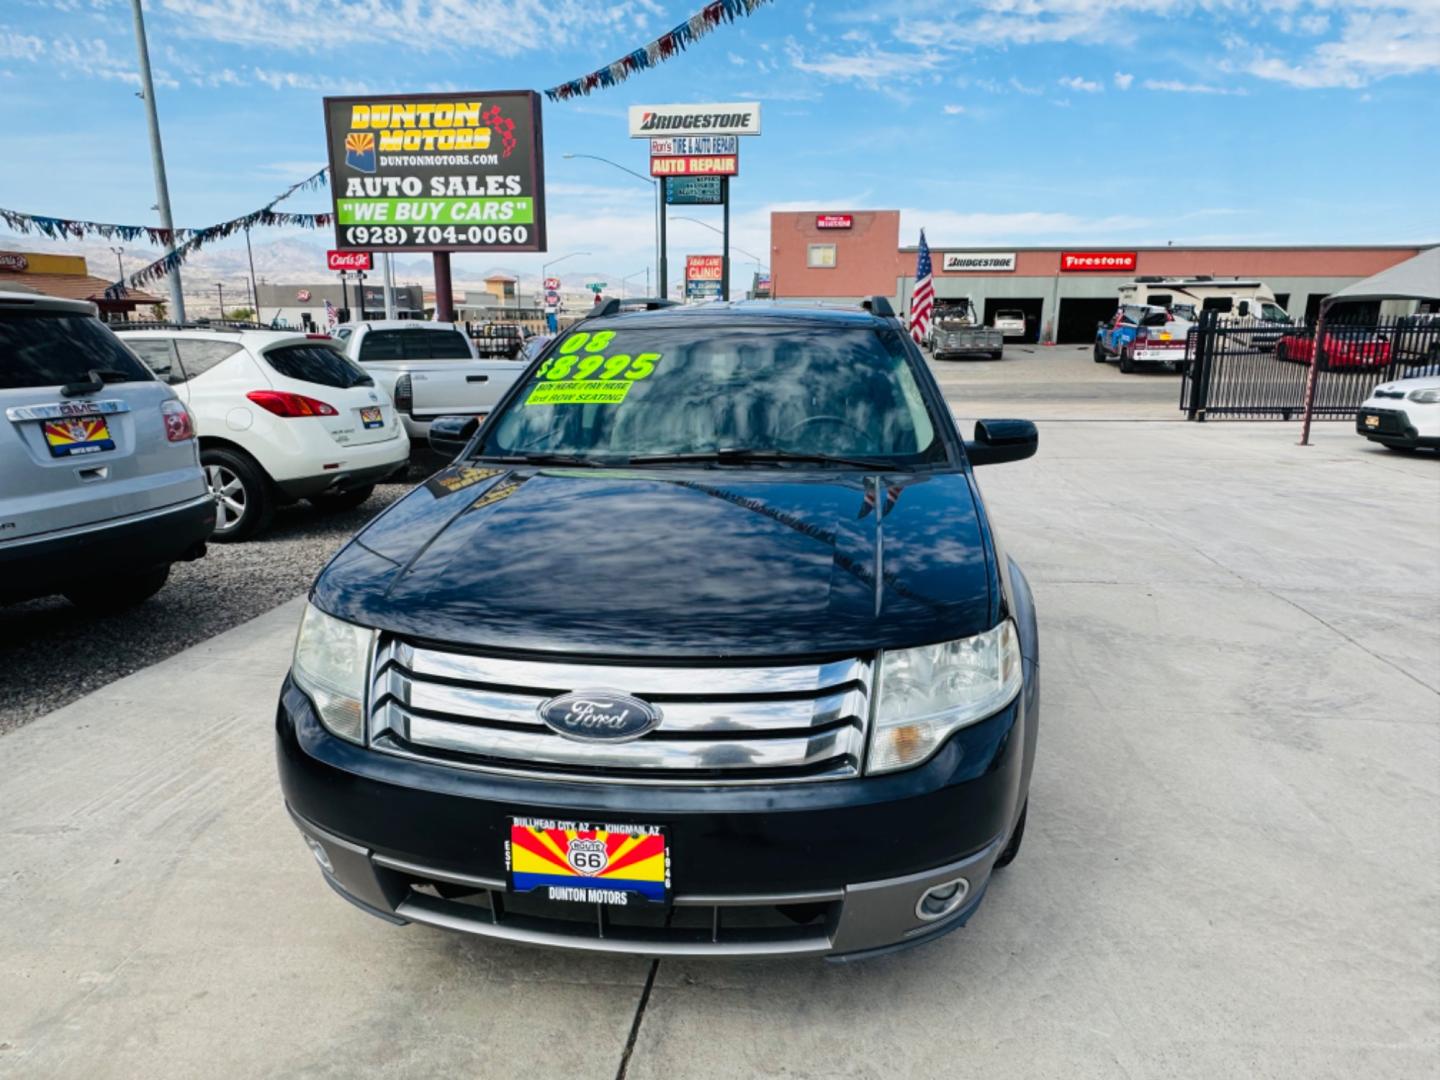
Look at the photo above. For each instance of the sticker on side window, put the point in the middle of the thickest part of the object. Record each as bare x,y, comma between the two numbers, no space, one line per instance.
587,372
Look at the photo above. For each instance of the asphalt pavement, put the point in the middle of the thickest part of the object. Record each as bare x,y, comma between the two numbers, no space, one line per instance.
1232,865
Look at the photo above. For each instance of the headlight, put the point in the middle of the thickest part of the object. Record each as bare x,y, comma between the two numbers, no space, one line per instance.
929,692
329,665
1425,397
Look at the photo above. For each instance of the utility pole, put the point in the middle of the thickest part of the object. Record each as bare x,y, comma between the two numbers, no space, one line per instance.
663,268
119,263
157,155
389,285
254,289
220,285
725,254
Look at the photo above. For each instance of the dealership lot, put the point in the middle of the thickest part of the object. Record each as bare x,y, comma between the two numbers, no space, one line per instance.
1232,866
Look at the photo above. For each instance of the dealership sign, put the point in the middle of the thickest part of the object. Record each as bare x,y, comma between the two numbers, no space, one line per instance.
437,172
710,165
834,221
659,121
1122,261
978,262
347,260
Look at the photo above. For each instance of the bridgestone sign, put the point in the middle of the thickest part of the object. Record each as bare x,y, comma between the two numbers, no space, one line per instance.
978,262
437,172
652,121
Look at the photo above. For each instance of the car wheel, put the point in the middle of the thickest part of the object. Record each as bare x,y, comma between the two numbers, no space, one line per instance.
244,503
1013,847
334,502
1099,354
1126,364
122,591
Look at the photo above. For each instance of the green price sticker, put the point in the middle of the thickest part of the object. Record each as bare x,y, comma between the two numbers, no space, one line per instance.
581,373
578,393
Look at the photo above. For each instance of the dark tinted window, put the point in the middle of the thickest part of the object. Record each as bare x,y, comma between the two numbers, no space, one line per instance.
414,345
1155,318
619,393
159,357
198,357
1216,303
317,364
49,348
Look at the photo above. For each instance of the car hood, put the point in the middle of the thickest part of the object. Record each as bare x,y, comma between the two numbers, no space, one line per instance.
693,562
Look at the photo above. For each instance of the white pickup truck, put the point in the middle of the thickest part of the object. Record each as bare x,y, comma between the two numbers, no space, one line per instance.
430,369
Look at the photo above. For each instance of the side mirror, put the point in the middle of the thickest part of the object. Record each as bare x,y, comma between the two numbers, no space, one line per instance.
997,441
451,434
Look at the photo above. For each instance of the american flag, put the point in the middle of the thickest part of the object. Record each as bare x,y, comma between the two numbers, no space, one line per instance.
922,300
332,317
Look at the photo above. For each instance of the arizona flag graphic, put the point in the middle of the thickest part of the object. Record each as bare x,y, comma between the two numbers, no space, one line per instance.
581,862
360,151
82,435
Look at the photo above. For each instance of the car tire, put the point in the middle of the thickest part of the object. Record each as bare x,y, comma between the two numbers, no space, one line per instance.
1099,354
121,591
244,501
335,502
1126,364
1013,847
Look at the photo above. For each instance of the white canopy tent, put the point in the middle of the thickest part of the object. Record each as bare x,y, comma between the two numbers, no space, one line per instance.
1417,278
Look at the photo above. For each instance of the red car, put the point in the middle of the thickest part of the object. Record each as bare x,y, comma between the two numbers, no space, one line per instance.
1343,348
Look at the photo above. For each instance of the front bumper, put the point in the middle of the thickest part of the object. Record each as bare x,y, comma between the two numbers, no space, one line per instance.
1393,427
825,869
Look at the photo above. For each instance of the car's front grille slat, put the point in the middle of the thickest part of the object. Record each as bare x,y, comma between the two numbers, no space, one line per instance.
719,724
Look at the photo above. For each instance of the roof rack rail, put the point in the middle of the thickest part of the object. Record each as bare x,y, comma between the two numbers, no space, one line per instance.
211,324
616,304
878,306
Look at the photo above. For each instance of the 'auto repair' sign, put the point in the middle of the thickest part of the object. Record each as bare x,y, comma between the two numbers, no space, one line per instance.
1101,261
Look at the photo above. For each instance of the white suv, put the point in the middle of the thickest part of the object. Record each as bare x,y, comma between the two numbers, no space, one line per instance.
281,416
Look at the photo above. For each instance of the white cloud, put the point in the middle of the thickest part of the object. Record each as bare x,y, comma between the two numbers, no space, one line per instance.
954,110
1175,86
18,46
1369,47
1021,88
736,59
1123,80
1082,85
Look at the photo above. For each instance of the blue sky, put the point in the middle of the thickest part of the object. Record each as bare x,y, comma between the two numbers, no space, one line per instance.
999,122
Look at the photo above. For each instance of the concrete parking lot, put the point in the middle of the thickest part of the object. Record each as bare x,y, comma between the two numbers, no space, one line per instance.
1232,866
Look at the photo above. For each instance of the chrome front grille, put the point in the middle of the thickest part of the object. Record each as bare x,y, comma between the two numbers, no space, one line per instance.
720,724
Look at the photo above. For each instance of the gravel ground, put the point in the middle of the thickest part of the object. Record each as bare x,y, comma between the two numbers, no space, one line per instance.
52,653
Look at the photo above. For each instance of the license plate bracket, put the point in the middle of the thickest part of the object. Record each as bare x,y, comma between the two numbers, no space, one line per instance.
586,862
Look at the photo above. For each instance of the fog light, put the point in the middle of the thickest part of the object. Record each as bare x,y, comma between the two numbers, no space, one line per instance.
940,900
321,857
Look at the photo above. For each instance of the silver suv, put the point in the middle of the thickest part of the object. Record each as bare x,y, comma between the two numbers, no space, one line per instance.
100,481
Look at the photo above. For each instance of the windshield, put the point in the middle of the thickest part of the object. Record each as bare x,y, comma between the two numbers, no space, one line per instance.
1274,312
613,394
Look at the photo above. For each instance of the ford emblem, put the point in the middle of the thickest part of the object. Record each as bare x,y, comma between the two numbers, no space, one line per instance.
599,716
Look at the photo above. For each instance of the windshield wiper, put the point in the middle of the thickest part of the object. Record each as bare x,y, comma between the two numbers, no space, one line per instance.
540,459
746,456
94,382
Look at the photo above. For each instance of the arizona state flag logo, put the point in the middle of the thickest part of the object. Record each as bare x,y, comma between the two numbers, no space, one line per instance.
360,151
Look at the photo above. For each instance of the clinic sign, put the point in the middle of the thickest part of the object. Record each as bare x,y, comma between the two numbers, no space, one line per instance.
437,172
978,262
1097,261
662,121
703,275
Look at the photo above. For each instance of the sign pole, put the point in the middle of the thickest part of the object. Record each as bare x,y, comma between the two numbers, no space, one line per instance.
389,287
254,291
725,253
444,293
663,269
157,163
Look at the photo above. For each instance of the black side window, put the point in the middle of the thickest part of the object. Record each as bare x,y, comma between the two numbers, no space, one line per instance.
159,357
52,348
383,345
1217,303
436,345
198,357
317,364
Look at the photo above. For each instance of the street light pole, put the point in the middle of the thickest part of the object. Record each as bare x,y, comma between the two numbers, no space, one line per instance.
157,158
661,252
220,285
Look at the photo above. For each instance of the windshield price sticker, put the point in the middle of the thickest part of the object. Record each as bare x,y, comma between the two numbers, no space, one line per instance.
581,374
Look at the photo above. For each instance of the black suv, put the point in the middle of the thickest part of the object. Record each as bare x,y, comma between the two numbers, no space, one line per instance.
704,644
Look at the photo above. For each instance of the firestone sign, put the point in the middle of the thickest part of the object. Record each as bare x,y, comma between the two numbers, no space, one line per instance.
1079,261
437,172
658,121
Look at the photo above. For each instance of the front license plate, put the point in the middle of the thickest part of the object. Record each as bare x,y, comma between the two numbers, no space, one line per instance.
1372,421
372,418
585,862
78,435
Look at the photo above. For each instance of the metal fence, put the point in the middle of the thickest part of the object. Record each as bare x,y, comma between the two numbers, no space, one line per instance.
1254,370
